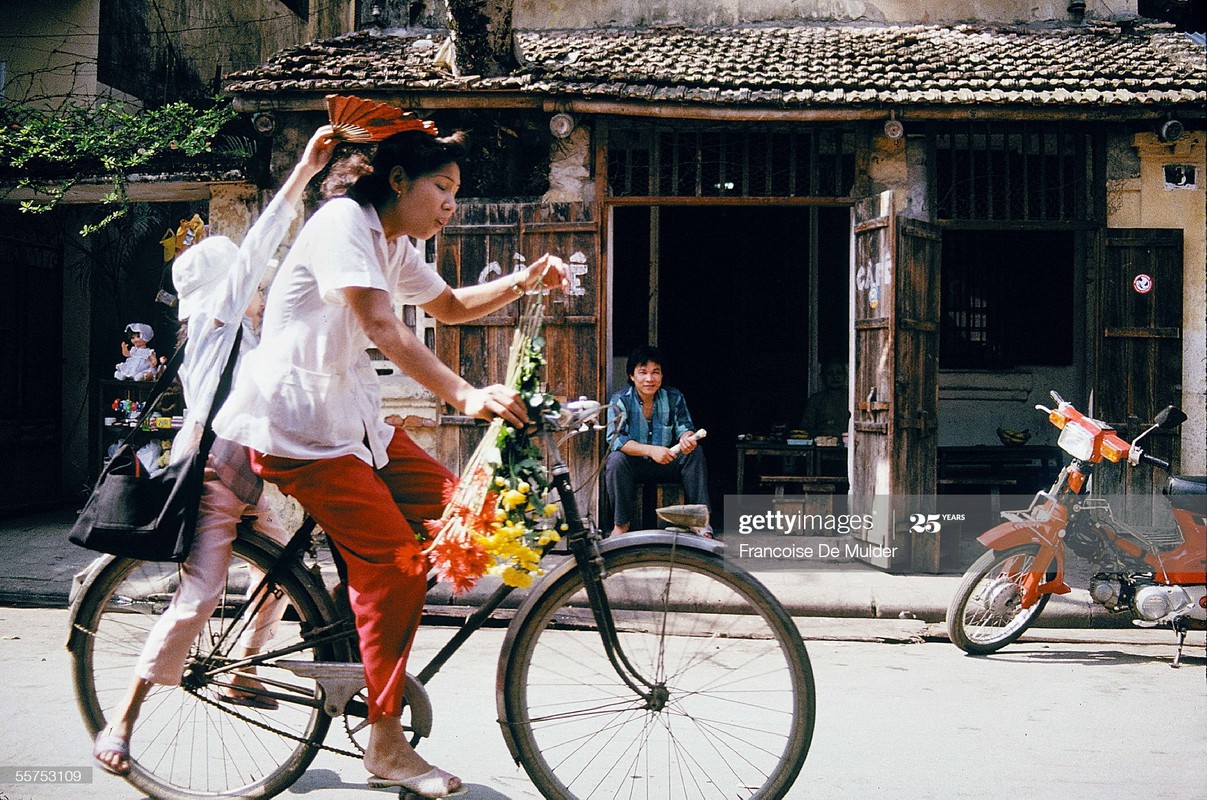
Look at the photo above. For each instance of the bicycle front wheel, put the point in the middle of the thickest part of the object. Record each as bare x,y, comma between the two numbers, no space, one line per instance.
731,710
190,742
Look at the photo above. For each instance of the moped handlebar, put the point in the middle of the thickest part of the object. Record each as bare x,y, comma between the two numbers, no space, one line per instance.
1155,461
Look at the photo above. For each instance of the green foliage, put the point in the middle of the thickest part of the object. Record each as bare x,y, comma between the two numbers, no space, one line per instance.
51,152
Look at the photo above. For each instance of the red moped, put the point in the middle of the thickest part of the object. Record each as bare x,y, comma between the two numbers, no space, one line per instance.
1159,576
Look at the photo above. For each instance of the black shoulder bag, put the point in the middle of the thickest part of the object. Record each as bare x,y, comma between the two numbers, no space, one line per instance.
151,516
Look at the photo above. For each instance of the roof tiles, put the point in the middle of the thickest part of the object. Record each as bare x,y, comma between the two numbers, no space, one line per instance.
1102,64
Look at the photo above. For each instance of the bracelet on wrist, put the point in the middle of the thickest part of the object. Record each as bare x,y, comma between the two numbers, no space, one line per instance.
517,286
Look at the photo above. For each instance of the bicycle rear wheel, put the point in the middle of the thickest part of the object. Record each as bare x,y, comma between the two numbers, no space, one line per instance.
732,711
189,743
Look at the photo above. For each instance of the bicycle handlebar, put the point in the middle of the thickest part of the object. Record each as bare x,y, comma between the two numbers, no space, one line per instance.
575,414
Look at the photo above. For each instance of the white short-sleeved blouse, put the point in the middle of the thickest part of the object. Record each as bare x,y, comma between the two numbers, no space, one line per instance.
309,390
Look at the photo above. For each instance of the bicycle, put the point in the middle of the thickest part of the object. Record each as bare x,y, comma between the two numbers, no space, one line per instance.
689,679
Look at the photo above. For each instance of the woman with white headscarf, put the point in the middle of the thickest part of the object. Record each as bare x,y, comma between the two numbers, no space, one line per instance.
218,286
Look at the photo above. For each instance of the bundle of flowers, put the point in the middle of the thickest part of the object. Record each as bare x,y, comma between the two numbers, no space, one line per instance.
499,520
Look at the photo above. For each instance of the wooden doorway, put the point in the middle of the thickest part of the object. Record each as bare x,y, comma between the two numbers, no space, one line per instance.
895,302
743,300
1139,356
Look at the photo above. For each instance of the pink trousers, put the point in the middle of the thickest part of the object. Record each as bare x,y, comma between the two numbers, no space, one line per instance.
366,511
202,578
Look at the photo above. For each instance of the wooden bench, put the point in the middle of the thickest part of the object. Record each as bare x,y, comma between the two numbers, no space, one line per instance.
806,494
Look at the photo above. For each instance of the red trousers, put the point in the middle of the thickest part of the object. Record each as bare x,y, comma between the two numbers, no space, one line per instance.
366,512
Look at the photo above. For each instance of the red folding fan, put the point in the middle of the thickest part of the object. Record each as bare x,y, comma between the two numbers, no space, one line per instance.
355,119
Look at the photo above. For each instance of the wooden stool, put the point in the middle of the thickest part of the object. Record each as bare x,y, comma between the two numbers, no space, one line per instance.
652,496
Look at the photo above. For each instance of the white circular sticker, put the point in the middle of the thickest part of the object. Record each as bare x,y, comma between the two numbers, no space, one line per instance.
1142,283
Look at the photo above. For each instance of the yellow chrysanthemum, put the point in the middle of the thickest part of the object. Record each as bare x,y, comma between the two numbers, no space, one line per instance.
517,578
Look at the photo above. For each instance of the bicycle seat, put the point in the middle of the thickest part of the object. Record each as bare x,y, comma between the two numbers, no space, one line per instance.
685,516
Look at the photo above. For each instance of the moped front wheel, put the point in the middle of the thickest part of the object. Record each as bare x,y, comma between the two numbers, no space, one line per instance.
986,613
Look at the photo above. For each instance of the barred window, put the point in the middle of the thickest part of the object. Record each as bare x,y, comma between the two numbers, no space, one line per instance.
1019,171
722,162
999,288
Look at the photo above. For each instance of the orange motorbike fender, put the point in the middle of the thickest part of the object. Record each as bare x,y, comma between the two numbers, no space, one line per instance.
1046,575
1009,534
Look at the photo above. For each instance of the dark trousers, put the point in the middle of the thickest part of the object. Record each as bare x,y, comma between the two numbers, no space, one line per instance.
622,473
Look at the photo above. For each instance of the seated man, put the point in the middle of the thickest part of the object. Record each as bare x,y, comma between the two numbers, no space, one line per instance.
828,413
656,418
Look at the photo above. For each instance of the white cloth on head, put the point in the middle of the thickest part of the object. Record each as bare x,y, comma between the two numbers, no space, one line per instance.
310,391
198,272
144,331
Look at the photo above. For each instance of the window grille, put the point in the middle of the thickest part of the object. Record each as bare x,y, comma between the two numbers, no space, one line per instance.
999,287
1017,172
719,162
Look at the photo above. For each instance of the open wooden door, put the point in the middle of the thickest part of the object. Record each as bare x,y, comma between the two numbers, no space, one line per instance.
1139,364
895,310
485,240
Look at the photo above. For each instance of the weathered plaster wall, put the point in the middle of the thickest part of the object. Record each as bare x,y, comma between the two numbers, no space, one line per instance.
1142,199
578,14
570,169
49,55
239,35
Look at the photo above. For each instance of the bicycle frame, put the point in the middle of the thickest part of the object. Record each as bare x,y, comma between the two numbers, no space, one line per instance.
587,549
582,541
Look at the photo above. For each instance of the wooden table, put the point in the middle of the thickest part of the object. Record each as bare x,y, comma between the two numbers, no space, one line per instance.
813,461
1025,469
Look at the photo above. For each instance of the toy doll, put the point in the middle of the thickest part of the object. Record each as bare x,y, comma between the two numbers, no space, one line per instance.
141,363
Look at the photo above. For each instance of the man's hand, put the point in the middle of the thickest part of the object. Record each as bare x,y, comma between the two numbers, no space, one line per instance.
661,455
493,401
687,442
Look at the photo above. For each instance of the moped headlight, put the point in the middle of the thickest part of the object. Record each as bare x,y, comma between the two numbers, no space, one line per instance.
1077,442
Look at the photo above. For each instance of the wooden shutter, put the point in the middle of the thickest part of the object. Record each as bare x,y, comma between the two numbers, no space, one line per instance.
484,240
1139,355
895,306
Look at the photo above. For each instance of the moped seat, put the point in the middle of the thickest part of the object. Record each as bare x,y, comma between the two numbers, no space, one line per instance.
1183,491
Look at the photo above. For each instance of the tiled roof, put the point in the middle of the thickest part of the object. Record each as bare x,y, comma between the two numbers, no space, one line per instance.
799,66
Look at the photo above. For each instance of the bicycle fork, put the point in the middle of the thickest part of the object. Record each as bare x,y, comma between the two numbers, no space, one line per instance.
585,549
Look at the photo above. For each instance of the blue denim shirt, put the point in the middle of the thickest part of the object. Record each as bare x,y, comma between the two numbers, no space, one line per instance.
670,421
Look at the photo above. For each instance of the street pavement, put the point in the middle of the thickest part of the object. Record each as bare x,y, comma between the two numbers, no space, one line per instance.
1073,710
1061,714
37,564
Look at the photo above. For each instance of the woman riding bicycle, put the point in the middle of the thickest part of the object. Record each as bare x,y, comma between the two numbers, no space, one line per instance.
309,406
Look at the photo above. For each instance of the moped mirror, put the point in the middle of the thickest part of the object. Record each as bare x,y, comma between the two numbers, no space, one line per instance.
1169,418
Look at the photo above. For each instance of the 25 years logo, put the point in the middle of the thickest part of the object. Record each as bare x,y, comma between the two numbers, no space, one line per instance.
925,523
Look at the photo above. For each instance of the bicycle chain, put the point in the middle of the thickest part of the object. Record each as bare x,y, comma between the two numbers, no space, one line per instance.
226,707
